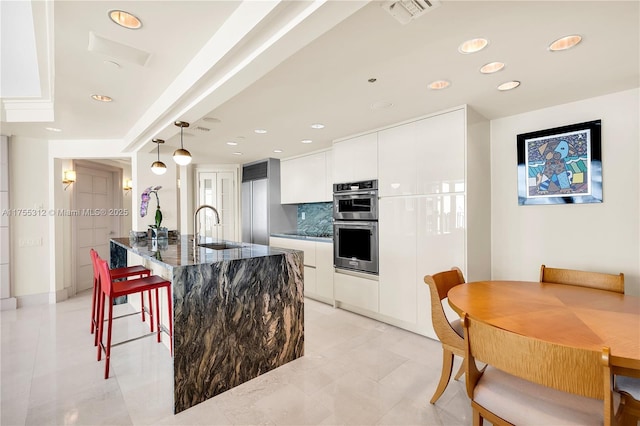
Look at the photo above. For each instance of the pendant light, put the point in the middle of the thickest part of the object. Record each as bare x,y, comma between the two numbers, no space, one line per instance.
182,156
158,167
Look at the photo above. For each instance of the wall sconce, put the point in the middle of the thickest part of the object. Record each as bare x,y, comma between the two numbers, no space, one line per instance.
68,177
128,184
182,156
158,167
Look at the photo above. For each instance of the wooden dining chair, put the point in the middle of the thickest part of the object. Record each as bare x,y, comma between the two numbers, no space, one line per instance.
626,383
597,280
528,381
449,333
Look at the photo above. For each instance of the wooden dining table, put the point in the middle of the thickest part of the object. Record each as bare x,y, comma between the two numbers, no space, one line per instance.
564,314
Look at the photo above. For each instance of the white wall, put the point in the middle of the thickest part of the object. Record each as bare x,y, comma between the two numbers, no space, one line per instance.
594,237
29,188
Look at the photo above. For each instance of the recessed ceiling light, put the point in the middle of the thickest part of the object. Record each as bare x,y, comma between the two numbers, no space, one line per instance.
317,126
509,85
382,105
101,98
491,67
277,151
473,45
260,131
565,43
125,19
231,143
237,153
53,129
439,85
306,141
211,120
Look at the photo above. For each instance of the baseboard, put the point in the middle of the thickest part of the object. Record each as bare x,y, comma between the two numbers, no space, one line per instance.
8,304
414,328
59,296
33,300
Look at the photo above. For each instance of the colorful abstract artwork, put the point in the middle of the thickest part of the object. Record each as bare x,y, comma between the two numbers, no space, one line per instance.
562,165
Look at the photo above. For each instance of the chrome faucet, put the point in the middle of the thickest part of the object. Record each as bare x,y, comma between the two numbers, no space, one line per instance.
195,223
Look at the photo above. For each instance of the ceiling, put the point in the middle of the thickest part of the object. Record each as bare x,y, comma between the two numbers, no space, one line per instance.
232,67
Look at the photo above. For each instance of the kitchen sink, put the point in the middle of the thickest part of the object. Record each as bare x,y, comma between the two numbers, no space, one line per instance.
220,246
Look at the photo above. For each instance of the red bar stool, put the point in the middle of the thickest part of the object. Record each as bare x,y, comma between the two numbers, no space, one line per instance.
116,274
110,289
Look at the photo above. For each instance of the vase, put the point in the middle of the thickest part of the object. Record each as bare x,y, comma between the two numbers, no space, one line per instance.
159,233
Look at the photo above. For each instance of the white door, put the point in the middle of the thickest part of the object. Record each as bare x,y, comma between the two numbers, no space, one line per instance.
93,227
217,189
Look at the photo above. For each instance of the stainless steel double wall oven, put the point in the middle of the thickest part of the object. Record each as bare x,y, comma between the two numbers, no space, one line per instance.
355,226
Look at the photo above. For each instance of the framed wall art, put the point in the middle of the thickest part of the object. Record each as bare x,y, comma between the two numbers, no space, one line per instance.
562,165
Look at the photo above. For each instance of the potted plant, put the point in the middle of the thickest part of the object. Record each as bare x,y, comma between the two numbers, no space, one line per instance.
157,231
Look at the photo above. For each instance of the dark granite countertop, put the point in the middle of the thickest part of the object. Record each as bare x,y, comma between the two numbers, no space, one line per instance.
172,253
323,238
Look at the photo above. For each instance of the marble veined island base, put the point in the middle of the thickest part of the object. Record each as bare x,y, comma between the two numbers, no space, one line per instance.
237,314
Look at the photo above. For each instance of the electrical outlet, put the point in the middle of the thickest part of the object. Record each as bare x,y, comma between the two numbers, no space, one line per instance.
30,242
304,216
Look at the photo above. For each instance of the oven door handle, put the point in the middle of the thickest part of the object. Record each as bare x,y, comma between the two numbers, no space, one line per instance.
353,194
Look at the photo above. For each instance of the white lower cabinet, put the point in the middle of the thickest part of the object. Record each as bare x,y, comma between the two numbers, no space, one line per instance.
397,253
418,236
318,265
356,290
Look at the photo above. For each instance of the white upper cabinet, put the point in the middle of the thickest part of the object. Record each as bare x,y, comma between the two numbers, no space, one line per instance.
424,156
440,153
305,179
356,159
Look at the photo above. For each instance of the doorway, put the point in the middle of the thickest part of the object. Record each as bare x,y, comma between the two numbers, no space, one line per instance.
94,197
218,189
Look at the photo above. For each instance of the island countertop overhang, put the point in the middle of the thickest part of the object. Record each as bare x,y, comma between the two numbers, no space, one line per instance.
180,253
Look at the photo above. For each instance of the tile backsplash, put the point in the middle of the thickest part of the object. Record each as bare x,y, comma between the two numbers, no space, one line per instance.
315,218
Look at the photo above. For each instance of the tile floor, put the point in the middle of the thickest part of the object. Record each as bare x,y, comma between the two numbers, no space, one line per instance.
356,371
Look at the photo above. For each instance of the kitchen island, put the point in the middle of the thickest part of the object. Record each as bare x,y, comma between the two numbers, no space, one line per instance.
238,310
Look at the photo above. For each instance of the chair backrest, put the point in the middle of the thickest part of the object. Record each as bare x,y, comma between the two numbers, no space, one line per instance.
94,258
439,285
597,280
105,275
574,370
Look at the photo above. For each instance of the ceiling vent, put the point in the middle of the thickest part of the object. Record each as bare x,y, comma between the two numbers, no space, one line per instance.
406,10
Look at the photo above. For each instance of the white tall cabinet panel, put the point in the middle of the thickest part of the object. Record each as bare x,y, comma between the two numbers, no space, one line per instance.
324,270
423,156
397,236
440,158
356,159
434,209
440,246
397,168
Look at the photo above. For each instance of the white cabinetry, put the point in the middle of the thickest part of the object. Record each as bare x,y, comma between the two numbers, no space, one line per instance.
434,209
397,254
357,291
318,265
355,159
324,271
306,179
422,157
